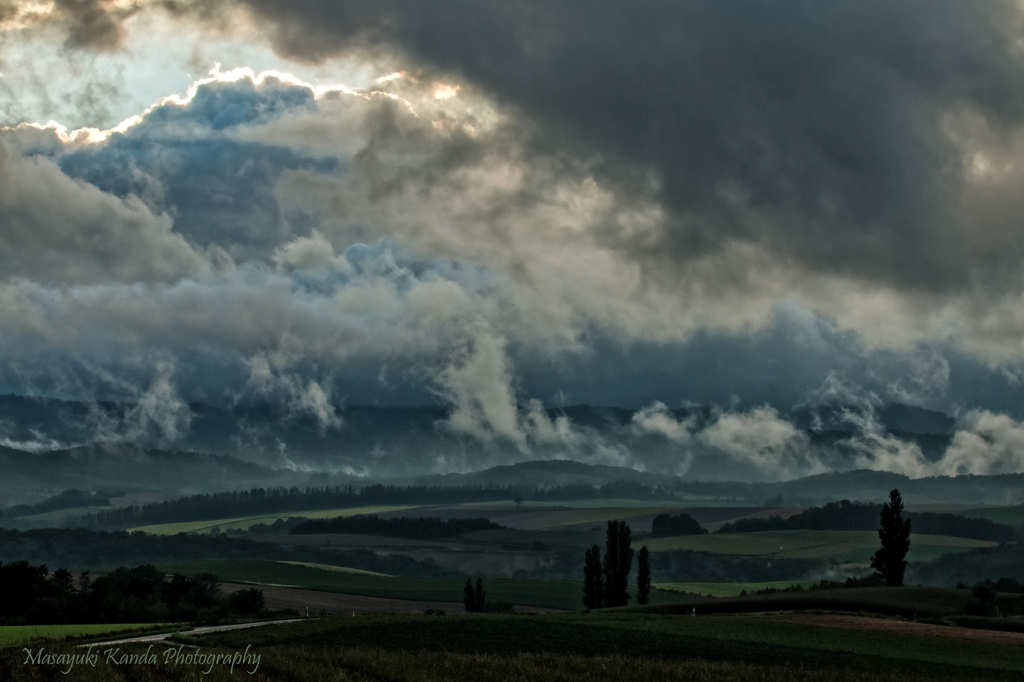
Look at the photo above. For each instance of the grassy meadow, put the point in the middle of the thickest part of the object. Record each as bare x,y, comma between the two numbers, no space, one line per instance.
811,544
551,594
612,645
728,589
11,635
1013,515
244,522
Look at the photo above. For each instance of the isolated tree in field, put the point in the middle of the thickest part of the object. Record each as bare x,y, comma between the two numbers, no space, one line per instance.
643,577
469,597
481,596
618,561
519,502
890,559
593,579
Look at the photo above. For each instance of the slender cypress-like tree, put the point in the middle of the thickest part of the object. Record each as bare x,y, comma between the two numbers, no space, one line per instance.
469,597
481,596
593,579
643,577
618,561
890,559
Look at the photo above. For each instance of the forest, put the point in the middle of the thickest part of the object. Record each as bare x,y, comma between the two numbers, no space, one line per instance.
142,594
846,515
276,500
79,547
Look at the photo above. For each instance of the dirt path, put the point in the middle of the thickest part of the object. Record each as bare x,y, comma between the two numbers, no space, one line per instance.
161,636
906,627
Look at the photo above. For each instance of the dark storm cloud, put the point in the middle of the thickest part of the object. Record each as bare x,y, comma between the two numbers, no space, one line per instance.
820,131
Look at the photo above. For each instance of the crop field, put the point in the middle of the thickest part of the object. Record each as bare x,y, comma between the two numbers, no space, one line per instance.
911,602
737,639
1013,516
553,594
244,522
811,544
577,647
728,589
326,567
11,635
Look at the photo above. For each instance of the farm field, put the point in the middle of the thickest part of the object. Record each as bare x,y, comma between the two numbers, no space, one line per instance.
728,589
554,594
811,544
244,522
1013,515
11,635
736,639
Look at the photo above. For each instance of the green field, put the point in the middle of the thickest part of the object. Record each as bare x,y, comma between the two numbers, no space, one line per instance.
603,645
553,594
728,589
1013,516
811,544
908,602
326,567
243,522
737,639
11,635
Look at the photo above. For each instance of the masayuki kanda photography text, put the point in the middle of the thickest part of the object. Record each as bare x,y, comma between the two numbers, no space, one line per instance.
170,657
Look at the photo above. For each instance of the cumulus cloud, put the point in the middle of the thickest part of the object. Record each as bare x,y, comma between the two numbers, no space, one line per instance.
53,229
499,208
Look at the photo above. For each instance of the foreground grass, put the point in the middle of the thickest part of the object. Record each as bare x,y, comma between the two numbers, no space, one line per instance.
729,589
291,663
551,594
733,639
11,635
811,544
244,522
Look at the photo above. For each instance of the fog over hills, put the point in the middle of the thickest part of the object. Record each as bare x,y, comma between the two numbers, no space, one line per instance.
52,444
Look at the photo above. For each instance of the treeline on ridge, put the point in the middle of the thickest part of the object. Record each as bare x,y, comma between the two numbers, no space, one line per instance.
142,594
846,515
83,548
277,500
69,499
424,528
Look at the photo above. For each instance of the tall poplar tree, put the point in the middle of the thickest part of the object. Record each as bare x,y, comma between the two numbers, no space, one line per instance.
890,559
618,561
643,577
593,579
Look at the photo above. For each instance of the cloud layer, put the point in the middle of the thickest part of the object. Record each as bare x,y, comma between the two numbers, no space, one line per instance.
722,204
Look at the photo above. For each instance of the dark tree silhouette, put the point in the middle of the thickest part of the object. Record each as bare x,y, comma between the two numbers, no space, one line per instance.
481,596
643,577
469,596
890,559
593,579
618,561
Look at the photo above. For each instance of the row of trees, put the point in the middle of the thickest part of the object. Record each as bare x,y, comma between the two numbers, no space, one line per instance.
276,500
606,581
31,594
846,515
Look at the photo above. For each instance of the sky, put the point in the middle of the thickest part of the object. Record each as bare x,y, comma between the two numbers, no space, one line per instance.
489,205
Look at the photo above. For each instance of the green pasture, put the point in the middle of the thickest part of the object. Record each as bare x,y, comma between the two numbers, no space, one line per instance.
728,589
244,522
810,544
327,567
11,635
908,602
553,594
1013,516
749,639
